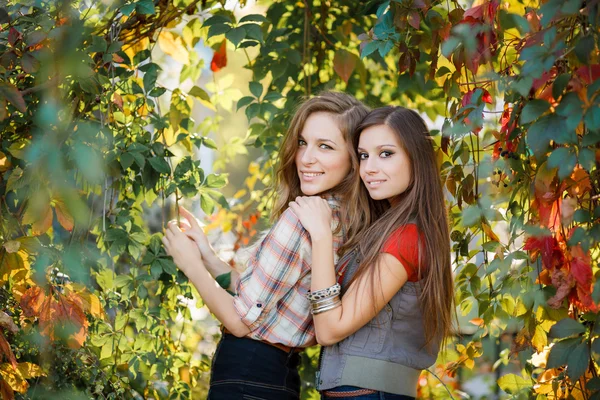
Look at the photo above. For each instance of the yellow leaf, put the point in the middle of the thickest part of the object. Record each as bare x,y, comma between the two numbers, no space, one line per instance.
4,163
39,215
540,339
17,267
14,378
488,231
172,45
29,370
137,46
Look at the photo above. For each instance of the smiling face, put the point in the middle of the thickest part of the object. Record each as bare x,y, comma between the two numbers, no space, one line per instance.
322,158
385,168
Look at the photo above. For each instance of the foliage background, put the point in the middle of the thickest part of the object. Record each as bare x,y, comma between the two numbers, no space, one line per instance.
101,137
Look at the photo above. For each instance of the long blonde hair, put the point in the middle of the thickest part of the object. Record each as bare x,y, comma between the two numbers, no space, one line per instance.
348,113
422,204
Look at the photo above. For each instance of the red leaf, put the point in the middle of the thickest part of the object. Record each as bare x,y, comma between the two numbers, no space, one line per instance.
445,143
65,219
414,19
589,73
32,300
486,97
14,36
581,268
6,392
12,94
445,31
485,12
219,59
344,64
548,248
7,323
534,21
6,351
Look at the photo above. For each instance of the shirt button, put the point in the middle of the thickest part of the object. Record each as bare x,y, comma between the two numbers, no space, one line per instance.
259,305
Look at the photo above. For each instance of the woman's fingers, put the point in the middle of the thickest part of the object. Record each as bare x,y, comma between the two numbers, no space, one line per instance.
190,217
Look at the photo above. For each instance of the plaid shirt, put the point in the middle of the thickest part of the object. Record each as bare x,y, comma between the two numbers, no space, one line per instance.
271,293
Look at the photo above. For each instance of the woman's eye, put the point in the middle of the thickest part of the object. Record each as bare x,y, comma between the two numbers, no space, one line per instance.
301,142
326,147
385,154
363,156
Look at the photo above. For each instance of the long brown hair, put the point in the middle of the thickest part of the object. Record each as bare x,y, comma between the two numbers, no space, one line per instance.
422,203
348,113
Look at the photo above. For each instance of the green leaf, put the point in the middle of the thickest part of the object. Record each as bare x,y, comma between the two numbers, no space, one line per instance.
559,85
244,101
216,181
160,165
369,48
508,21
584,47
150,76
219,29
145,7
217,20
253,18
128,9
513,384
199,93
209,143
545,129
596,345
252,110
253,31
168,266
560,352
272,96
386,47
592,118
256,89
587,159
565,328
107,350
533,110
207,203
563,158
449,45
224,280
236,35
578,361
523,85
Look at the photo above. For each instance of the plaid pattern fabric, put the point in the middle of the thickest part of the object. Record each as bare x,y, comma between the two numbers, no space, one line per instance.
271,293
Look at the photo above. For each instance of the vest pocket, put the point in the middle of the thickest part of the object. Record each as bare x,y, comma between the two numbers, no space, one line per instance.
371,337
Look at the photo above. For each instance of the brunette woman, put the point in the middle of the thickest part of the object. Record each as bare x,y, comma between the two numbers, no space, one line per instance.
268,320
394,309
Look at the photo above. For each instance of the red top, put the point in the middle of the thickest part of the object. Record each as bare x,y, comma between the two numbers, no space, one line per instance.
404,245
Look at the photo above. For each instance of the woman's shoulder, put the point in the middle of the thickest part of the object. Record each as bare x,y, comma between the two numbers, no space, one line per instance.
407,231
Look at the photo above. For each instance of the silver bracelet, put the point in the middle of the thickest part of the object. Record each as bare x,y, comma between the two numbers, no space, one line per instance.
327,308
324,293
324,303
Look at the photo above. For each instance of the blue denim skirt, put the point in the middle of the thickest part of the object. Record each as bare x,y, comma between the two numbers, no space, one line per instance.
248,369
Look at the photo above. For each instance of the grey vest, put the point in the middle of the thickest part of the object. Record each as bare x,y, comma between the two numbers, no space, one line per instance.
387,354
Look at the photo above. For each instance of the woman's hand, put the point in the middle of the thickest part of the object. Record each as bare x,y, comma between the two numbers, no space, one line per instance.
185,251
192,229
315,215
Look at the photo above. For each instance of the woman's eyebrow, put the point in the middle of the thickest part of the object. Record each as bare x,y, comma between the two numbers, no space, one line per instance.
378,147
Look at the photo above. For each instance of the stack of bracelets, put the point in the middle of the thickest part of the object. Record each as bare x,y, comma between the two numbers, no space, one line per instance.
325,299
